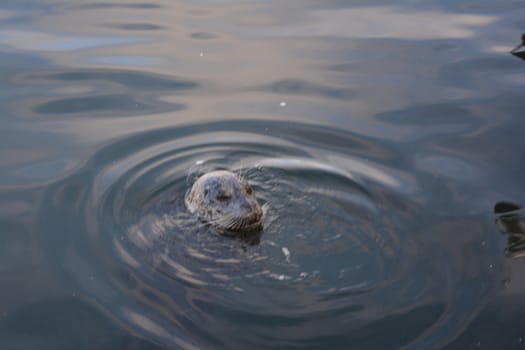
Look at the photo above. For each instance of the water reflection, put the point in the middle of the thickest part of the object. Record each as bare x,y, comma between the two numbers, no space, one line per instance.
141,92
40,41
380,21
97,103
130,5
305,88
203,35
139,26
134,60
130,79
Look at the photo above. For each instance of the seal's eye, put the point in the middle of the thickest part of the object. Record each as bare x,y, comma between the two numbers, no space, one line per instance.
249,190
223,197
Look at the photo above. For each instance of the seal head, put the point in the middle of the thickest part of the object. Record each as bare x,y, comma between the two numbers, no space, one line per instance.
226,201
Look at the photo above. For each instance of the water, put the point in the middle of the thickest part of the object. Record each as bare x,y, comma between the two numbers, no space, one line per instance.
379,138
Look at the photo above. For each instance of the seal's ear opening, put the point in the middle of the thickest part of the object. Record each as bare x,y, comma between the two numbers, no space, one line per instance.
516,51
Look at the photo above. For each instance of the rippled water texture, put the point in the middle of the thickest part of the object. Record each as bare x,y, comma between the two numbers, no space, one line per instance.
384,142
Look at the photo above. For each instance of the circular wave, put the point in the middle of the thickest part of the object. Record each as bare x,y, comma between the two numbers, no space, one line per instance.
343,254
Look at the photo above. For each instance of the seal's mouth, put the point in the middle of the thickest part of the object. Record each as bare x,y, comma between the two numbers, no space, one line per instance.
252,222
248,223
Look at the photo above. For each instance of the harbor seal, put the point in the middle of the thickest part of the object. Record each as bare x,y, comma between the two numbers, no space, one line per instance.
226,201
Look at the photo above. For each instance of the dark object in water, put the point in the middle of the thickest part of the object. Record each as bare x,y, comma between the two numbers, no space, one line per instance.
511,221
505,207
516,52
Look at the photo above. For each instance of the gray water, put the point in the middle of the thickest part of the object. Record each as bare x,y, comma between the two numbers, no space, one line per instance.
379,137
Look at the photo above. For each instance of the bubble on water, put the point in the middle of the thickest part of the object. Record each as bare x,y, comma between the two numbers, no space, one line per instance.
271,243
201,54
282,104
286,253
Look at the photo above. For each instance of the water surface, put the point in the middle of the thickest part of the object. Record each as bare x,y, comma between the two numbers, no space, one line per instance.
379,137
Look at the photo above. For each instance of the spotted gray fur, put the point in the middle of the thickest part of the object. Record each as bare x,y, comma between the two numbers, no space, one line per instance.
226,201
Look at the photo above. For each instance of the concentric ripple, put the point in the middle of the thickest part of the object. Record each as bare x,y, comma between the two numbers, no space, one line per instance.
343,255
